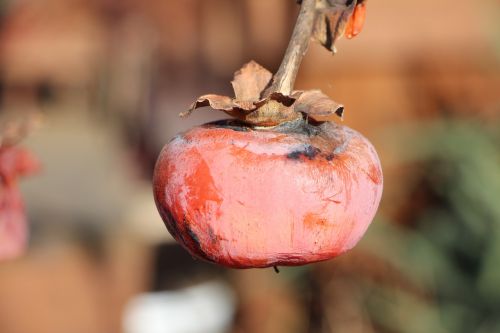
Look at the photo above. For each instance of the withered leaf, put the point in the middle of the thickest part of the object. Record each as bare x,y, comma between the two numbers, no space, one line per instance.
331,20
222,103
248,84
318,106
273,109
250,81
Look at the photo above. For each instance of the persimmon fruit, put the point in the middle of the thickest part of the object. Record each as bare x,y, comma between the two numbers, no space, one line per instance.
15,162
283,183
245,197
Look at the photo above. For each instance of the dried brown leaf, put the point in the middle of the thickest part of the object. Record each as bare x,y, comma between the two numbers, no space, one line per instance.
275,109
318,106
331,20
248,84
222,103
250,81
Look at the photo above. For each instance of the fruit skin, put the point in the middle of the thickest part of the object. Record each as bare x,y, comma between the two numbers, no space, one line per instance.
15,162
246,198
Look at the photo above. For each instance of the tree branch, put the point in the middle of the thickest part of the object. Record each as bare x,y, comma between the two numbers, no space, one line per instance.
284,79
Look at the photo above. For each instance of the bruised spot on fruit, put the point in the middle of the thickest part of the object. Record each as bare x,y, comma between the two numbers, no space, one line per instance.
307,151
195,241
214,238
312,220
330,157
374,174
193,236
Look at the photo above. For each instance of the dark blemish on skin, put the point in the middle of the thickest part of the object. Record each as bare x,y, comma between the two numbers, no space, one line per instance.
194,240
294,155
311,152
301,126
374,174
276,269
330,157
306,151
193,236
211,235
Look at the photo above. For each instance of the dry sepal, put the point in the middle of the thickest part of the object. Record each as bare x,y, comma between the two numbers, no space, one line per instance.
249,104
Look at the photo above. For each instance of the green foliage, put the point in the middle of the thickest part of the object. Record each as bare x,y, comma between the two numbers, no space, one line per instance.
451,251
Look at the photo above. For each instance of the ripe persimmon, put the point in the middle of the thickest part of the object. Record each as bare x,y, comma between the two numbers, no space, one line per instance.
245,197
282,184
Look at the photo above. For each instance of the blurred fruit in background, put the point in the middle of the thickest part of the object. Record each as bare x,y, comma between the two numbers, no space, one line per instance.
15,163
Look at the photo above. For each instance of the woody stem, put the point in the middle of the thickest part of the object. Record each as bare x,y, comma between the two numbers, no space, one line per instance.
284,79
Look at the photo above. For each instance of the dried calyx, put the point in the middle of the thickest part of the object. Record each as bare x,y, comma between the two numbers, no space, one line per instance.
262,99
248,106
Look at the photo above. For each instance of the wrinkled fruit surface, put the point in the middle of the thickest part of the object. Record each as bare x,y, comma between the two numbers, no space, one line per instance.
244,198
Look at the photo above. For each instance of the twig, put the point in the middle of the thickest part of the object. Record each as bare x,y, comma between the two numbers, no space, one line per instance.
284,79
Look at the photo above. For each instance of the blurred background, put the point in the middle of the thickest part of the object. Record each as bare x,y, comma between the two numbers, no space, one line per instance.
108,78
